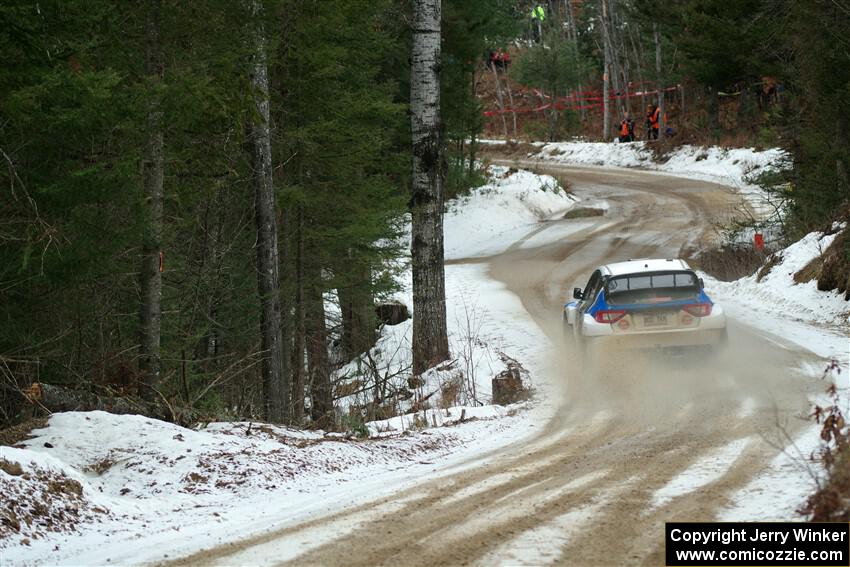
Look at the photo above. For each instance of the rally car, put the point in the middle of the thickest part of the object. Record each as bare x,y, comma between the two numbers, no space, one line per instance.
657,304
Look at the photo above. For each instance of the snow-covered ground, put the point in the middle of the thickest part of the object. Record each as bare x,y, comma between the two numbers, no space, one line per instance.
115,479
87,487
91,486
819,321
485,222
778,292
496,215
734,167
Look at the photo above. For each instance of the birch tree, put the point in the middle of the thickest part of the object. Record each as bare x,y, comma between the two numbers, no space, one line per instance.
152,181
430,337
275,386
606,73
659,80
612,60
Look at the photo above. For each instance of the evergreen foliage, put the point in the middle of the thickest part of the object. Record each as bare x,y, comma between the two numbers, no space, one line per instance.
817,125
73,94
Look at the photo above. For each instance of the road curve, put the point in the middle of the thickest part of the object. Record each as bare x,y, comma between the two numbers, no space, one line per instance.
597,484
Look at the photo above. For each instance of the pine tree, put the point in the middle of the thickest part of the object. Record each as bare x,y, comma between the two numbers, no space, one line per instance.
342,180
275,384
815,123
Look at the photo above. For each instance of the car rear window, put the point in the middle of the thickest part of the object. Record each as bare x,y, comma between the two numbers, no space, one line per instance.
652,288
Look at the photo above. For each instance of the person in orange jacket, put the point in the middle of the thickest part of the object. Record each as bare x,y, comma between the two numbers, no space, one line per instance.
653,120
627,128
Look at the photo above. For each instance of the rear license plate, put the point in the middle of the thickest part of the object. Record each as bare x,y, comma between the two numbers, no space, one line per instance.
655,320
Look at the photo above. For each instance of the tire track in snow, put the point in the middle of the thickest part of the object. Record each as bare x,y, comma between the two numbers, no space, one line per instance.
645,434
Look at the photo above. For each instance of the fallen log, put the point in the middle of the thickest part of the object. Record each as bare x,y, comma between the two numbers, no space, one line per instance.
392,312
57,399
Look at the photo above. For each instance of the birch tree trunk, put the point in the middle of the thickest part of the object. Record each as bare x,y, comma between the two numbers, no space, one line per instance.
430,337
275,390
300,331
152,175
606,75
638,52
659,81
613,65
621,54
606,115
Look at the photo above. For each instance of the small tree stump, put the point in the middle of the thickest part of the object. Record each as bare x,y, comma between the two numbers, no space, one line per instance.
508,387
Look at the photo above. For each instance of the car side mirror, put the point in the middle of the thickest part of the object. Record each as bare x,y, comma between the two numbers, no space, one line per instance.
577,294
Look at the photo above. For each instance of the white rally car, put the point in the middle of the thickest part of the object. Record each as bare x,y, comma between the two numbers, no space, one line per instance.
644,304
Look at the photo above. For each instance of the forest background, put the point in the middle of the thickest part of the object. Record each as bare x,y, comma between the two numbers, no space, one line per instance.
129,148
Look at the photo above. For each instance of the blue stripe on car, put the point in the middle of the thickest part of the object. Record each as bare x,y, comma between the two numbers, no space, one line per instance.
601,304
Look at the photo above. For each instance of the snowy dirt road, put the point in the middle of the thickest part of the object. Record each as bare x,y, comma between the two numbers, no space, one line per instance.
637,443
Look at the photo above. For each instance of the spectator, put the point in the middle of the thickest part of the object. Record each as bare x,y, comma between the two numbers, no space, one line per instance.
653,116
627,129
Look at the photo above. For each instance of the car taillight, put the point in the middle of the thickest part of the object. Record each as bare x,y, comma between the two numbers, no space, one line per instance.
609,315
698,309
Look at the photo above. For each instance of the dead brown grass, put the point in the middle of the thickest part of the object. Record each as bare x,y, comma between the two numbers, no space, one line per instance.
831,503
11,436
831,269
11,468
508,150
100,467
450,392
771,263
731,263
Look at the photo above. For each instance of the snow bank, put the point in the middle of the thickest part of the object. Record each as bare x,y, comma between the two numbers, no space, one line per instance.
727,166
819,322
494,216
482,339
778,293
129,477
87,486
145,459
435,418
42,495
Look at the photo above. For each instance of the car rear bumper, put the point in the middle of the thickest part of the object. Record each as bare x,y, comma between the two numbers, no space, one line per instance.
672,340
716,321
